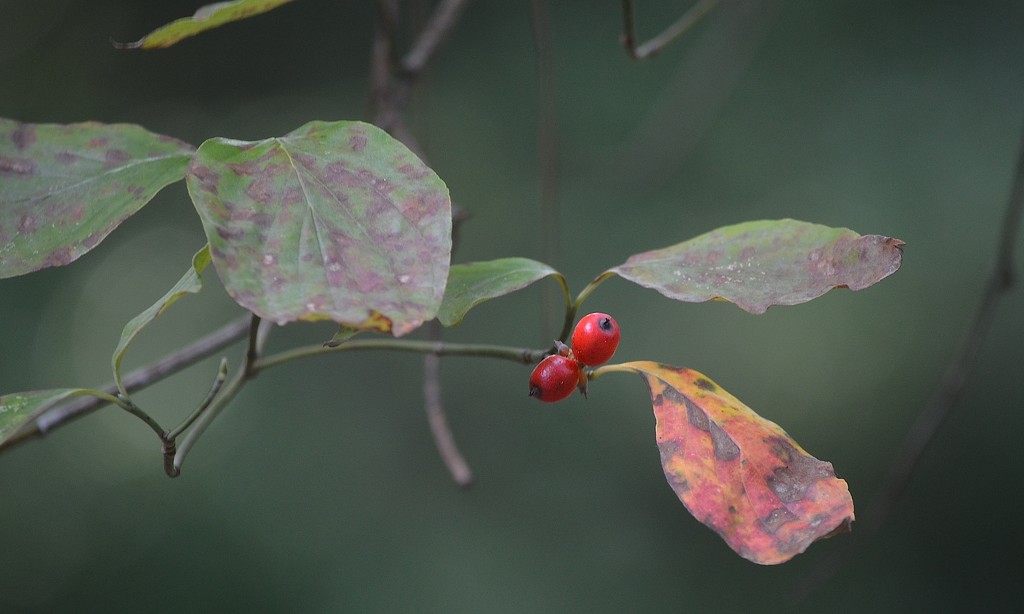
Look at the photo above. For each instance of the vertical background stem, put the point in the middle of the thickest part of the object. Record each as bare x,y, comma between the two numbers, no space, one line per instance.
433,404
547,149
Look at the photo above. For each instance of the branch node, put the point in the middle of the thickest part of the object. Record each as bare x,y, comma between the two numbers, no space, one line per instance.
170,447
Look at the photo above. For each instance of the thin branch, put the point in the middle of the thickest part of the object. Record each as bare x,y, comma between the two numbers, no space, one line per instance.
660,141
244,374
954,381
382,58
434,406
433,402
392,89
950,391
136,380
547,145
129,406
393,84
659,42
218,382
434,33
524,356
252,351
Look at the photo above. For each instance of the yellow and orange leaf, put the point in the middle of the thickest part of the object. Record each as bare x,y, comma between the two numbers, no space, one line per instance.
738,473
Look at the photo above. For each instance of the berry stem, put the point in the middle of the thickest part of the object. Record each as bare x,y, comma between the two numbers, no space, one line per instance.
593,374
572,307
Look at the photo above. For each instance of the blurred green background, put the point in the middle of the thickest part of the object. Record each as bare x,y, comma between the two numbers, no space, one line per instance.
320,489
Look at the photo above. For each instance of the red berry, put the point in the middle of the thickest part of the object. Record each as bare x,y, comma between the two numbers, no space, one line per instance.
554,378
595,338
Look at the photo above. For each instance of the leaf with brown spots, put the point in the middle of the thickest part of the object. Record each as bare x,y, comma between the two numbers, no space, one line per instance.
738,473
205,18
763,263
64,188
334,220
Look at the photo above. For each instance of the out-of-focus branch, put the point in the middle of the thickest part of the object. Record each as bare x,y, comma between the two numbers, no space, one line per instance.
434,406
547,150
382,57
953,382
393,81
434,33
949,392
706,75
659,42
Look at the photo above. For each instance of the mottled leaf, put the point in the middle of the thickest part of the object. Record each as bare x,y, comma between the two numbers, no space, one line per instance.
206,18
64,188
190,283
334,220
738,473
759,264
20,408
473,283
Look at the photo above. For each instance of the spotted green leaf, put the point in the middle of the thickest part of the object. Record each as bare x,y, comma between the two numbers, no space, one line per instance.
332,221
738,473
473,283
64,188
759,264
205,18
190,283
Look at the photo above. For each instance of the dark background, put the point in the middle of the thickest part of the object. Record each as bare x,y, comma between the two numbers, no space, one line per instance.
320,490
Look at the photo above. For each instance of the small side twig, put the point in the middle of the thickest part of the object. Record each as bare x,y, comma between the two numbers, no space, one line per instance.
170,438
245,372
218,382
659,42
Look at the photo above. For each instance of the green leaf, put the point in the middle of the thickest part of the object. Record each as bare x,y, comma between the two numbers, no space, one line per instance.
190,283
759,264
64,188
20,408
332,221
473,283
206,18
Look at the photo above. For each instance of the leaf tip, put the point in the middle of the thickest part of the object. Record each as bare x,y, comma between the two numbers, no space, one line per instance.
131,45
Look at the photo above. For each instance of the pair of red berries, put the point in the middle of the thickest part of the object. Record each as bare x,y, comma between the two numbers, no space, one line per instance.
593,342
